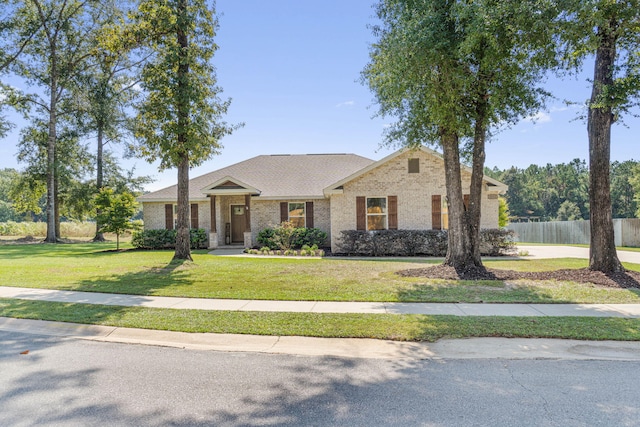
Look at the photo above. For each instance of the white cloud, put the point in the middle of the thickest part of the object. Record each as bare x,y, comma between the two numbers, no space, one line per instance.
346,104
556,108
539,117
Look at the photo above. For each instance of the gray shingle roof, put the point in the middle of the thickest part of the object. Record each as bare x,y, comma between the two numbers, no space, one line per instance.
276,176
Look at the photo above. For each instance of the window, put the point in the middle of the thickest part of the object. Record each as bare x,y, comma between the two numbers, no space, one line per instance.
414,165
297,214
376,213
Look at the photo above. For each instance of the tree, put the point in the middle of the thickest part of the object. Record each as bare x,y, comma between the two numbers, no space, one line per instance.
503,213
623,203
56,53
568,211
609,30
115,212
103,95
15,34
178,120
449,70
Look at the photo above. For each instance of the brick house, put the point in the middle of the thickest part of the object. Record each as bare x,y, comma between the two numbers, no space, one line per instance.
333,192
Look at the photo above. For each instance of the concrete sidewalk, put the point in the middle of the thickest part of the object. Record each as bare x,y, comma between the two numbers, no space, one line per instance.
559,251
455,309
473,348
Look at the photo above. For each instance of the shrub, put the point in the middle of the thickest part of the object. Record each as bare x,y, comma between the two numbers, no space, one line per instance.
166,239
418,242
285,236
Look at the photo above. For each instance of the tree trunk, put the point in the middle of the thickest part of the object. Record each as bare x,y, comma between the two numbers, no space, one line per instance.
477,174
459,252
603,256
51,164
99,237
56,197
183,241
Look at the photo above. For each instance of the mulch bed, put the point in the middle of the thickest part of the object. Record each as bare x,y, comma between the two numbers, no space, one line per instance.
627,280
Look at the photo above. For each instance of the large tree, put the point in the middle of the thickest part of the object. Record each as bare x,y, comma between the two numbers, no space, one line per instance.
51,61
610,31
179,120
449,70
103,95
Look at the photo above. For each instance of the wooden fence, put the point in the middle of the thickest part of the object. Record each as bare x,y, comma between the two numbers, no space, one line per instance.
626,232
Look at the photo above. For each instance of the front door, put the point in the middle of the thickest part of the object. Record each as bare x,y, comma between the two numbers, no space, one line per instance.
237,223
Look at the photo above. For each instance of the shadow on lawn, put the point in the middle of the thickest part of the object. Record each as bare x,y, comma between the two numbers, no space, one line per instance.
144,282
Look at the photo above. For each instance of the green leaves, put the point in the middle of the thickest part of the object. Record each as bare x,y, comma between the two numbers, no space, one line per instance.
115,212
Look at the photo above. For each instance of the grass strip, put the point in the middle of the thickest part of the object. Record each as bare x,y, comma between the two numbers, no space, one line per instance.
94,268
328,325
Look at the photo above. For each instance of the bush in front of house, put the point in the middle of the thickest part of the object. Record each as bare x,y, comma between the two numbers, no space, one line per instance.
166,239
493,242
285,236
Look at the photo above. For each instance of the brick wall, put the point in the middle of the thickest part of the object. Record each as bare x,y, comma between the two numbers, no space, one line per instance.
414,193
266,213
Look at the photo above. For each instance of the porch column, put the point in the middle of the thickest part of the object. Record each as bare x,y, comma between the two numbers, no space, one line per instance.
248,241
213,233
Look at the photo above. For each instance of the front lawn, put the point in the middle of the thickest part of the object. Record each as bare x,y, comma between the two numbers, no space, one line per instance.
97,268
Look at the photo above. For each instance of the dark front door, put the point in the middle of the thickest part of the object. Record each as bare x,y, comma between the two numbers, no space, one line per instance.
237,223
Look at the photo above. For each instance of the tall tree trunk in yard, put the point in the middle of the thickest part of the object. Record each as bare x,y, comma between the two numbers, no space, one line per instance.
603,256
99,237
459,253
183,241
477,174
52,237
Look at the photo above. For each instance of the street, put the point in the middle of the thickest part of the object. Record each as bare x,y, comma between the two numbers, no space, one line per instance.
65,382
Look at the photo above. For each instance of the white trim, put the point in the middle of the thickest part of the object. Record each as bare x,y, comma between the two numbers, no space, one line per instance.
292,198
386,213
304,211
173,201
247,189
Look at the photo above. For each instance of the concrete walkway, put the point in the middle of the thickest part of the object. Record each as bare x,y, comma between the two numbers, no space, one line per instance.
455,309
554,251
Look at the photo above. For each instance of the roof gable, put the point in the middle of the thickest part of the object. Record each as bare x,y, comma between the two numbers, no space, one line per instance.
337,186
289,176
229,185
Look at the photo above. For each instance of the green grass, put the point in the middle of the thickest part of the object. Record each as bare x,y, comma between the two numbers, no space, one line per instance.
96,268
379,326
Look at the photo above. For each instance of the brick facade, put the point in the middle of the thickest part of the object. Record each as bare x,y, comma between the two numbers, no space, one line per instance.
337,210
414,191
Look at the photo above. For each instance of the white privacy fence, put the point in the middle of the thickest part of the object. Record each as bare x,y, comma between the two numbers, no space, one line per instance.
626,231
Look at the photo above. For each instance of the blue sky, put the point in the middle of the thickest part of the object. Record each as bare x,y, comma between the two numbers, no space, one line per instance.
292,70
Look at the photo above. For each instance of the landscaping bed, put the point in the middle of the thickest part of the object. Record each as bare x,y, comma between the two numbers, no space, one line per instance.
627,280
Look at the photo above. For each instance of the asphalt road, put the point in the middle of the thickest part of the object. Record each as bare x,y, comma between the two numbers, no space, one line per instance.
70,382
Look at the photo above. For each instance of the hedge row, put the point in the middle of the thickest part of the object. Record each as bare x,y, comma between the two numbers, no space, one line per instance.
284,236
166,239
493,242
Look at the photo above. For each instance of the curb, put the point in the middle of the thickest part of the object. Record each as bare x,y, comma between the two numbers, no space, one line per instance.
473,348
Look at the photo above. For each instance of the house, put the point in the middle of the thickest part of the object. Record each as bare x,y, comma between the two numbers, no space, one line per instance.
333,192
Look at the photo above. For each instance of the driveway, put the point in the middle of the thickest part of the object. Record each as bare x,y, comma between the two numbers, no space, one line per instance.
572,252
